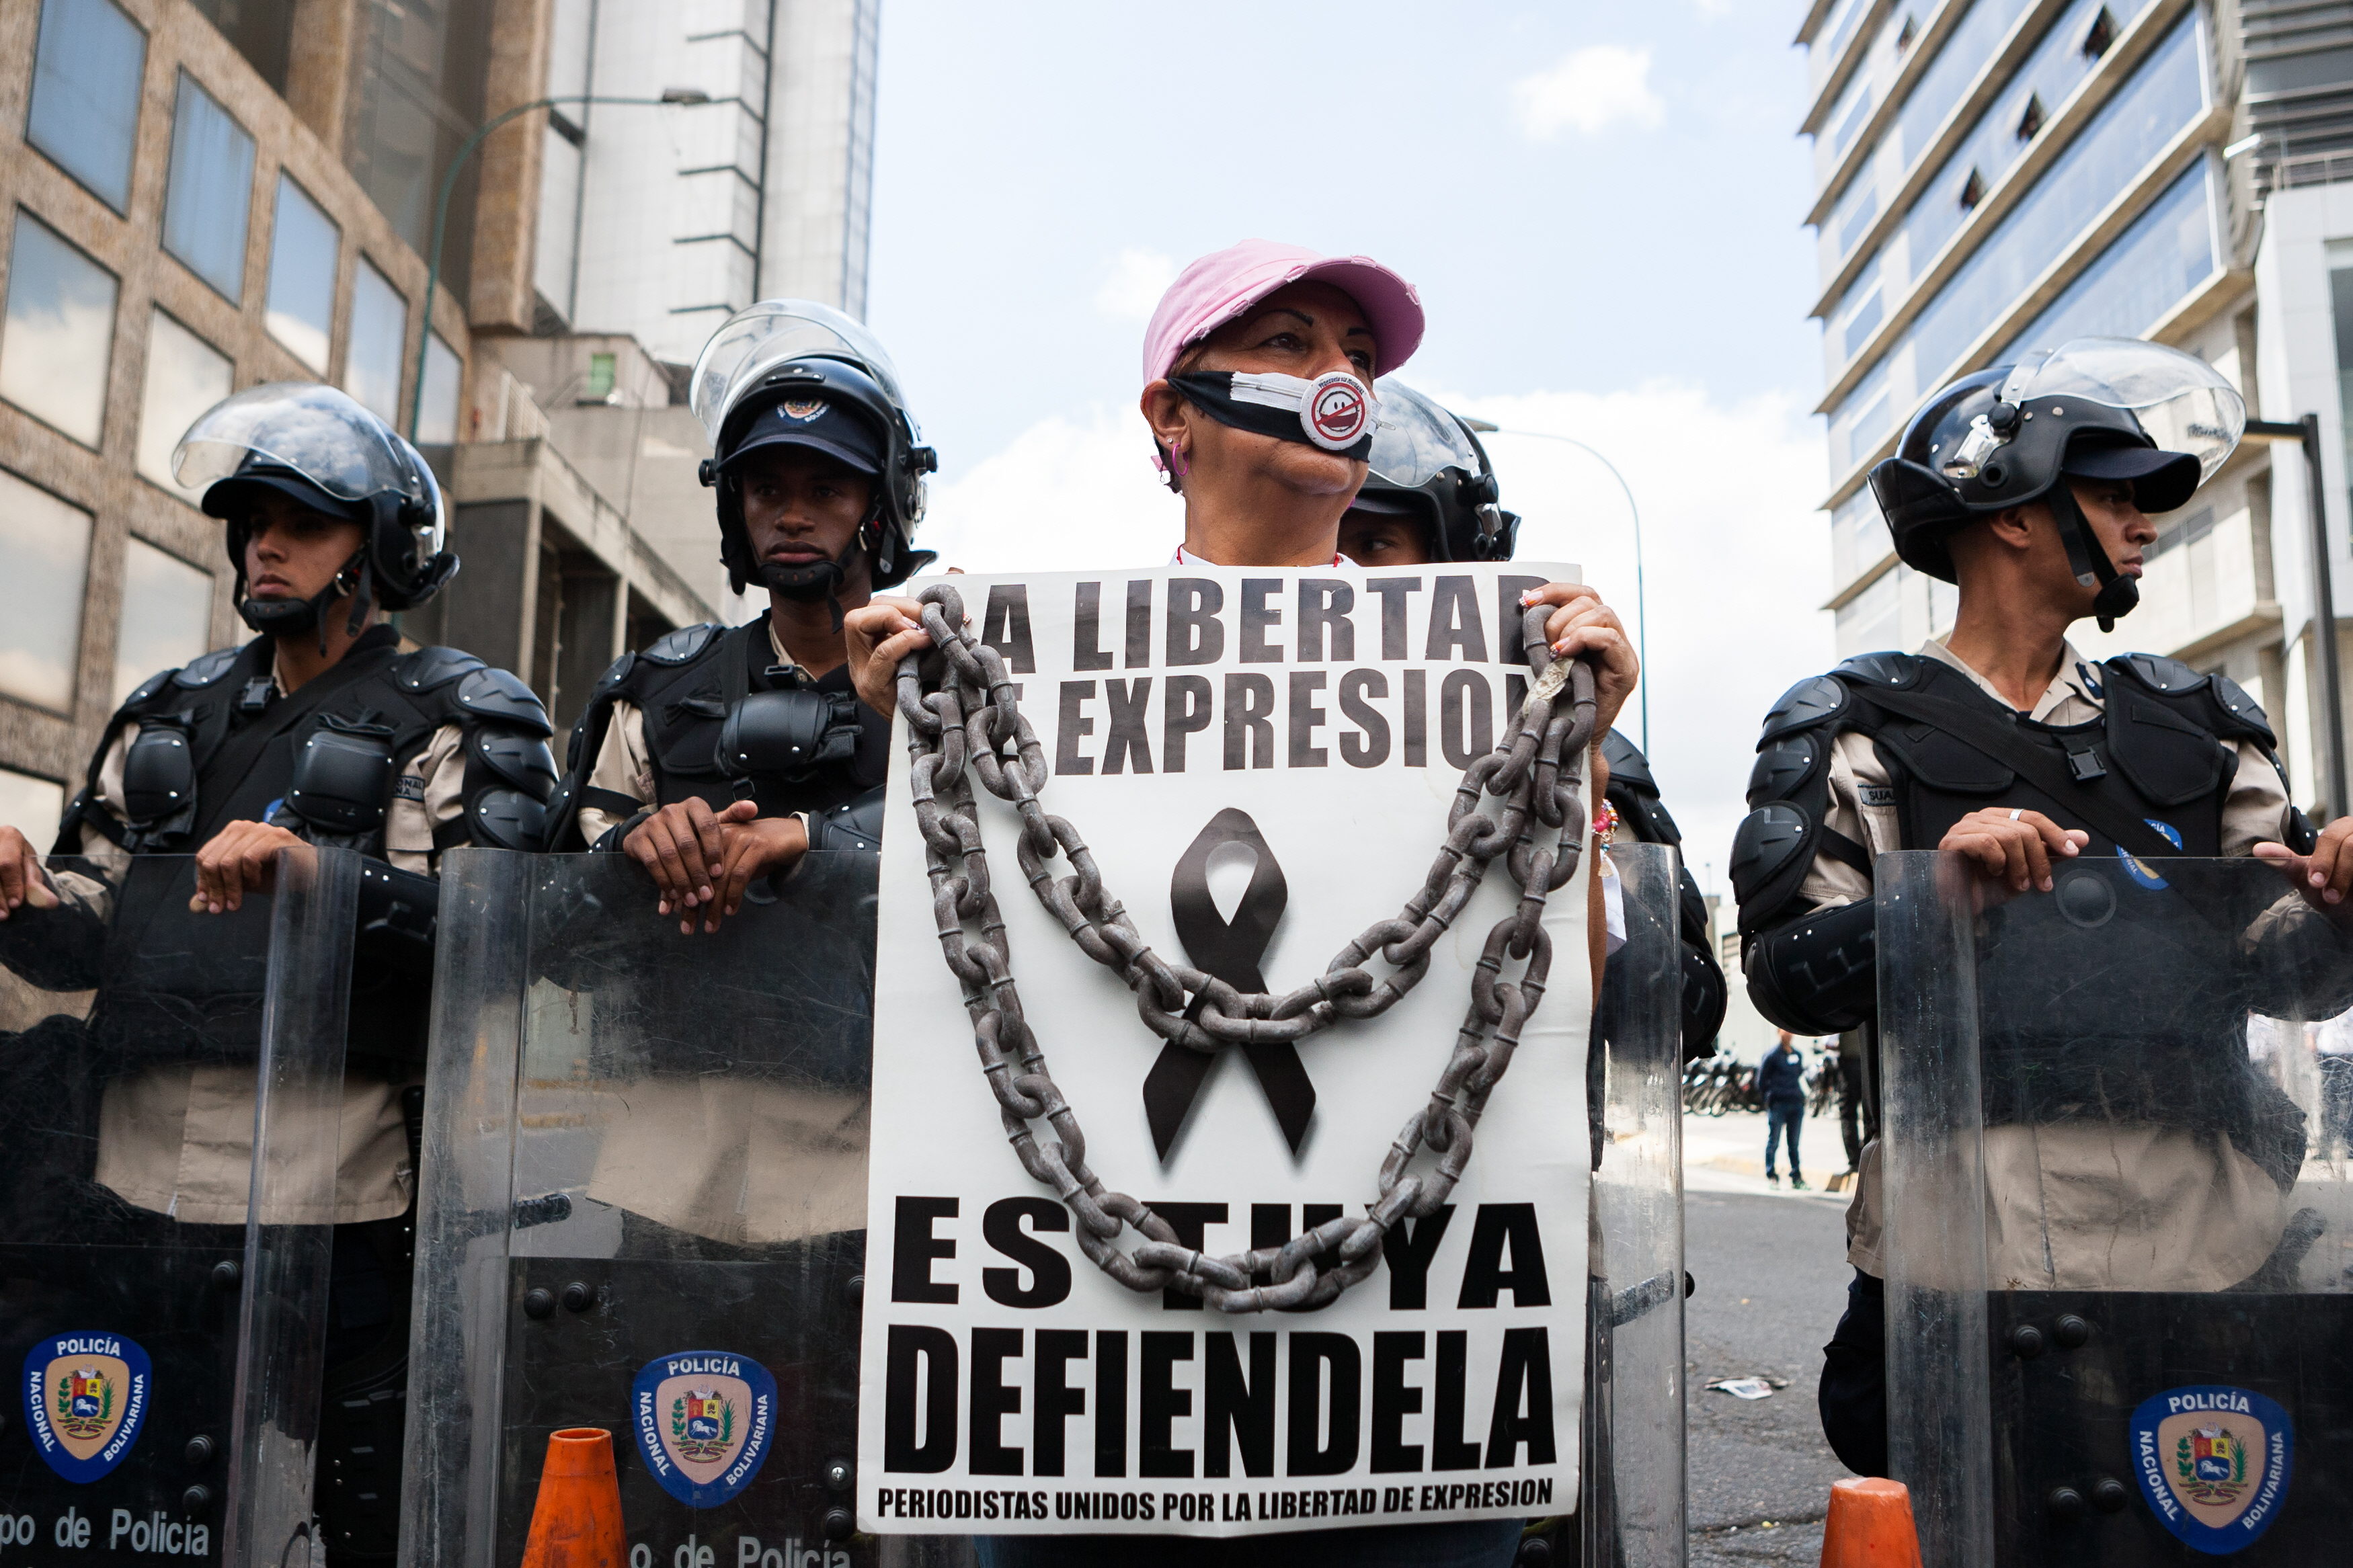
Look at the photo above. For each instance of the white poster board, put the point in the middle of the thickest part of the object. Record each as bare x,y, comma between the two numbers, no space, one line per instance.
1008,1386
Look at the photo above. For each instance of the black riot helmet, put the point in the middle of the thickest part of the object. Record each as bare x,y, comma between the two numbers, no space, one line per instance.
2094,408
793,371
1427,466
314,445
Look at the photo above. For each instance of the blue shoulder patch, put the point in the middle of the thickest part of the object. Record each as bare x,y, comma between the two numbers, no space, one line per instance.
204,671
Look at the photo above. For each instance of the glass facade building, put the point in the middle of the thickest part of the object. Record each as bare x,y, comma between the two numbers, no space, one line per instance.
1994,177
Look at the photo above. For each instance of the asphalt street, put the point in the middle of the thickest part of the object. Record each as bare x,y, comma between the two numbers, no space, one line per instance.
1771,1270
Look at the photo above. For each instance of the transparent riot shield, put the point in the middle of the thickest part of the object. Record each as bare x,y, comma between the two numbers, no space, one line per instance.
171,1089
1632,1499
2120,1324
644,1210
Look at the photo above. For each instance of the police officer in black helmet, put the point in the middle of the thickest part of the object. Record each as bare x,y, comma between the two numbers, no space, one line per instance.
319,731
2030,486
1432,496
719,755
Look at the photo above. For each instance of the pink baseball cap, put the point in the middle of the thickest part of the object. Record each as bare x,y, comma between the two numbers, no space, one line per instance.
1223,284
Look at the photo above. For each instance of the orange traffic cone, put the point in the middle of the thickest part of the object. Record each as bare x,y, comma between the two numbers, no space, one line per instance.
576,1523
1870,1525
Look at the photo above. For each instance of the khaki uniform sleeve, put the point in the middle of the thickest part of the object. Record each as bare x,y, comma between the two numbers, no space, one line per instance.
622,766
429,792
2255,811
96,847
1863,807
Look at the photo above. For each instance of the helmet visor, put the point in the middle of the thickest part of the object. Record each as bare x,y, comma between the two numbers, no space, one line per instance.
316,431
754,341
1415,439
2182,404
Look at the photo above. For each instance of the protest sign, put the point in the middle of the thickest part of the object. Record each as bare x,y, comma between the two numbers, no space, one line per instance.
1261,761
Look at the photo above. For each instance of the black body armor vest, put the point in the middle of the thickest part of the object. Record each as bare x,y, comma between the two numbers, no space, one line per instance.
2147,781
724,723
213,743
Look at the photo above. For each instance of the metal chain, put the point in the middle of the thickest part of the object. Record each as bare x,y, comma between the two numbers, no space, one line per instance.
968,724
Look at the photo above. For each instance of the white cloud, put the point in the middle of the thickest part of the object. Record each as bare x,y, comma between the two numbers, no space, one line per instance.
1134,284
1737,557
1591,89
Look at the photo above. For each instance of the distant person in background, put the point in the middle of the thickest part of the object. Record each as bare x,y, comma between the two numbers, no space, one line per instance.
1782,1080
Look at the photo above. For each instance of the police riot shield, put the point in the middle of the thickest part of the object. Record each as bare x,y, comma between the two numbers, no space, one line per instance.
644,1210
1633,1482
2117,1228
172,1087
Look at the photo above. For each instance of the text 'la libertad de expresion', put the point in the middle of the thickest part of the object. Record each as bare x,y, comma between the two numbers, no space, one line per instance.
1334,703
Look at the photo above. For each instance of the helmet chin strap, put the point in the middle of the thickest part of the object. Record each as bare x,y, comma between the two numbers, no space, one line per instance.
2088,559
819,580
285,618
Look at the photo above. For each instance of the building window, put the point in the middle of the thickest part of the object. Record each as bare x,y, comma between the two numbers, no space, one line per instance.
210,192
302,245
2102,33
167,616
2030,117
379,335
45,552
1973,190
31,805
185,375
2144,273
1873,619
436,419
59,333
85,110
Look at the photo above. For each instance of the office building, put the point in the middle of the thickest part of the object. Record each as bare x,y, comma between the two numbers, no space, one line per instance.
204,194
1996,176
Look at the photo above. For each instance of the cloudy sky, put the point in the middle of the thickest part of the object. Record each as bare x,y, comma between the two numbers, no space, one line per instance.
1598,204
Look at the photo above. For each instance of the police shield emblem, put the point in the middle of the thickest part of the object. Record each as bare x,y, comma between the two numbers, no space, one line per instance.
85,1396
704,1420
2213,1464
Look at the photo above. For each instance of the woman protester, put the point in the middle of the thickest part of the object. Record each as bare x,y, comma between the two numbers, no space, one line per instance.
1242,341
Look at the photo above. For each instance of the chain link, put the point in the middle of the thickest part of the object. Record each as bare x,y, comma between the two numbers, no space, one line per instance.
968,725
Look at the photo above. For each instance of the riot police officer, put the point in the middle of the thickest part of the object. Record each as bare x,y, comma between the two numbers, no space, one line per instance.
319,731
719,755
2031,486
1432,495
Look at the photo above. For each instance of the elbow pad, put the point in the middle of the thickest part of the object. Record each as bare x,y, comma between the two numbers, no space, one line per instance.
398,911
1818,973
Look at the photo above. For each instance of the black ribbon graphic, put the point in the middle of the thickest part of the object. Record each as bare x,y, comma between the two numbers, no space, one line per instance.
1231,949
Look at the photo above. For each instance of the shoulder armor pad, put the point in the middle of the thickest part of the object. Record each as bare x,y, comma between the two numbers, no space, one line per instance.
1771,852
149,686
1786,766
1883,668
500,695
429,668
523,761
1627,763
682,645
1804,706
2159,673
205,670
615,673
2243,708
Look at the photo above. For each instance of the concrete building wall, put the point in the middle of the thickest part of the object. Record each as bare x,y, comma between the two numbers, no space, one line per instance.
44,748
686,214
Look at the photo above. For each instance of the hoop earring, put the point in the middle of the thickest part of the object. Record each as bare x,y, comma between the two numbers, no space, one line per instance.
1177,461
